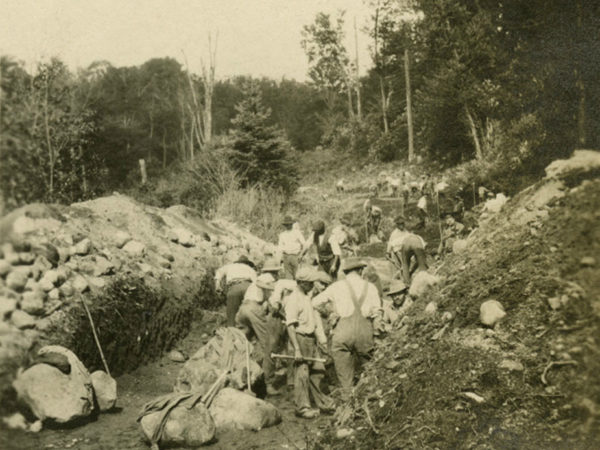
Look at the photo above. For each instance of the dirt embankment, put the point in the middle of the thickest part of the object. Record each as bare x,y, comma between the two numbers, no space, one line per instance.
144,272
444,380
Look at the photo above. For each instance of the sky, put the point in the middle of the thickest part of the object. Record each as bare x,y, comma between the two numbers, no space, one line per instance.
255,37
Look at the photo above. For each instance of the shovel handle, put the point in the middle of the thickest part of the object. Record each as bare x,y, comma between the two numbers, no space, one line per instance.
304,358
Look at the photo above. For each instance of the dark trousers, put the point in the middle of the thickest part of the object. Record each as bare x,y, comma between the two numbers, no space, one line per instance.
235,295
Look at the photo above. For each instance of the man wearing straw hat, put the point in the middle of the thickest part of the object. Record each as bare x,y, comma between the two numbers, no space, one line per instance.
305,331
290,246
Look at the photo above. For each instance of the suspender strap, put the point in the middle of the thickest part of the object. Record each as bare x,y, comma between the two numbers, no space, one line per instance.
357,302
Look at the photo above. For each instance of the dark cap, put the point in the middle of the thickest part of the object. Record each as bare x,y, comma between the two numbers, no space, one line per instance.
319,226
287,220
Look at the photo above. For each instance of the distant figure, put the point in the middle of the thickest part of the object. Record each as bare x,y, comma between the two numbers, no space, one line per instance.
405,248
453,230
422,210
394,185
290,246
345,236
339,186
373,214
234,279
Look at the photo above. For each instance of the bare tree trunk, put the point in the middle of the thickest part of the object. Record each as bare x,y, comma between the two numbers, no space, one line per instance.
349,95
49,143
208,80
478,152
581,135
143,171
357,80
384,106
409,117
164,153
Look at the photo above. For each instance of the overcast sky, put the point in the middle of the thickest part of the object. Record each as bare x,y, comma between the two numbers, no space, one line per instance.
256,37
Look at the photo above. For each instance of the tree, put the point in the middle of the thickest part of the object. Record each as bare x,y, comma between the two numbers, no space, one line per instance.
258,151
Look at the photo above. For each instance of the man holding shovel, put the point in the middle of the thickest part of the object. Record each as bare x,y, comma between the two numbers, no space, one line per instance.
305,331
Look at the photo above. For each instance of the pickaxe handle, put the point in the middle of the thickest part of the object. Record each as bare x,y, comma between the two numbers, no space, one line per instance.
304,358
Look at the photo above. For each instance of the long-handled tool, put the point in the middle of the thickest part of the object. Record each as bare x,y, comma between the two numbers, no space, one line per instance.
304,358
248,368
87,311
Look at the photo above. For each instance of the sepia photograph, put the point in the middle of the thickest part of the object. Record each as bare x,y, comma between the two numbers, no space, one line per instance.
299,224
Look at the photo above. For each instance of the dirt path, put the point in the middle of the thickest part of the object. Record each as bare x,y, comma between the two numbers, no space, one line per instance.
119,430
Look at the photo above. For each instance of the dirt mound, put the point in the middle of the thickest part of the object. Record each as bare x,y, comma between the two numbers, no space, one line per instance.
444,380
144,272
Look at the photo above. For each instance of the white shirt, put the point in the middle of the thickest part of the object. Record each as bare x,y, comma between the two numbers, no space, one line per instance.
254,293
291,242
422,203
333,241
299,311
283,288
234,271
397,239
340,298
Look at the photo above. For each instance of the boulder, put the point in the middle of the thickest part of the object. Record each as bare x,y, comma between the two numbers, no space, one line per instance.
7,306
80,284
103,267
26,258
134,248
431,308
588,261
54,294
16,421
12,258
33,302
491,312
5,267
581,161
459,246
184,426
495,205
421,283
105,390
205,366
67,289
82,248
22,320
233,409
176,356
54,395
17,279
511,365
50,279
182,236
120,238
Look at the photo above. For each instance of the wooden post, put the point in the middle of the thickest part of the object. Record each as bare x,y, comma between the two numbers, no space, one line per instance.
409,117
143,171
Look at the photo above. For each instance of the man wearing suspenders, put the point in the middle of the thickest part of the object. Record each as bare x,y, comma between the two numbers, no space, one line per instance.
356,305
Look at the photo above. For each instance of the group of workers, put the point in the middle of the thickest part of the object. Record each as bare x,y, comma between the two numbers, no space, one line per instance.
326,306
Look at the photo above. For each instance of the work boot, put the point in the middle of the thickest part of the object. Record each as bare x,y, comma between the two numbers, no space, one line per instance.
272,391
307,413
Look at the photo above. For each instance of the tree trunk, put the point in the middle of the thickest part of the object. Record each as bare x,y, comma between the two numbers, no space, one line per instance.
49,143
478,152
409,117
143,171
581,135
357,81
349,95
164,148
384,106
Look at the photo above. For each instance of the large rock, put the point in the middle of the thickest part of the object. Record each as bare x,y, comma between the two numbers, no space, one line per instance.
17,279
7,306
33,302
459,246
495,205
205,366
581,161
421,283
22,320
105,389
54,395
120,238
103,267
5,267
233,409
134,248
491,312
82,248
183,427
182,236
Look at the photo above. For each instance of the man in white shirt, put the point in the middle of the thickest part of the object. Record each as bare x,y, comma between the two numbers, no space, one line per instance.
373,217
356,305
403,246
234,279
290,246
304,331
252,318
